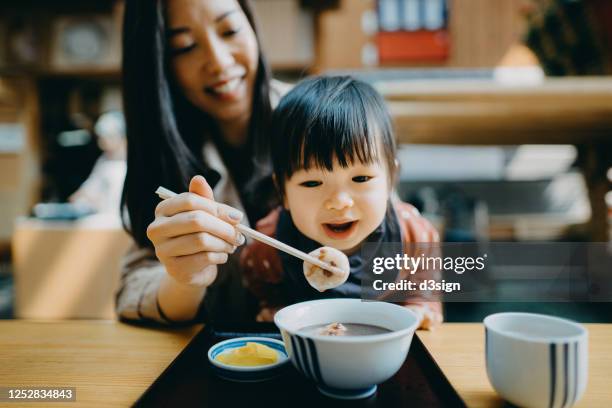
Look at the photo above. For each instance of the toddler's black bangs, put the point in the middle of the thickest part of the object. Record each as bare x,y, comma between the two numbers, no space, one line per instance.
324,119
335,126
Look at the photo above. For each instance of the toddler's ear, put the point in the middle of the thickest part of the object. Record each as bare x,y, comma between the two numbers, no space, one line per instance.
395,172
275,181
283,197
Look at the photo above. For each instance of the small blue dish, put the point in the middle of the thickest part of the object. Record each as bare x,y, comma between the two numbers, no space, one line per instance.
248,374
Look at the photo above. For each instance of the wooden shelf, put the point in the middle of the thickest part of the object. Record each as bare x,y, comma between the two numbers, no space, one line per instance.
568,110
58,6
101,74
480,31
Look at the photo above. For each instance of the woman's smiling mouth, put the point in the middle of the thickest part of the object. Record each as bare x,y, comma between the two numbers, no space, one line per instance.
225,86
226,90
340,230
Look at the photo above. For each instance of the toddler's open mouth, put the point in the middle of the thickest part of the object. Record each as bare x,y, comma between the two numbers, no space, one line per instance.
339,230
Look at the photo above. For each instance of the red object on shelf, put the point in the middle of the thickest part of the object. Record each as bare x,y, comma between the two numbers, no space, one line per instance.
413,46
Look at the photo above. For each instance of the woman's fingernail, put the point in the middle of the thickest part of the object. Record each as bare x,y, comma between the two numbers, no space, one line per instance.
240,239
235,215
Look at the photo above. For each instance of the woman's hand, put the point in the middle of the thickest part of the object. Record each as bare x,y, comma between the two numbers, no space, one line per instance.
192,234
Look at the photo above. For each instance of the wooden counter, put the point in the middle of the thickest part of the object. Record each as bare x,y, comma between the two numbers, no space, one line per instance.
67,270
485,112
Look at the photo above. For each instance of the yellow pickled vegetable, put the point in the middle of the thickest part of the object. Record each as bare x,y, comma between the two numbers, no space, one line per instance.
252,354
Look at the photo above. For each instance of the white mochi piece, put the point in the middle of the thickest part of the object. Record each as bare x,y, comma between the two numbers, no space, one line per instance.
321,279
333,329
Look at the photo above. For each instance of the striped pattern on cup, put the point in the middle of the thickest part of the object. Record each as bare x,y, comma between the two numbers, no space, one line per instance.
564,363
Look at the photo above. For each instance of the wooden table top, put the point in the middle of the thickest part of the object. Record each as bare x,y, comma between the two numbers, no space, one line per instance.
112,364
109,363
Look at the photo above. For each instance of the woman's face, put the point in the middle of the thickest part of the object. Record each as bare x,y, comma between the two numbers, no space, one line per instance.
214,56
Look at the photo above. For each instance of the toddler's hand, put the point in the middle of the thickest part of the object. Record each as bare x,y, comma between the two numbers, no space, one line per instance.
266,313
429,317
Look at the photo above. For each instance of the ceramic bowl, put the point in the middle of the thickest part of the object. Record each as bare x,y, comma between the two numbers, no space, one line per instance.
347,367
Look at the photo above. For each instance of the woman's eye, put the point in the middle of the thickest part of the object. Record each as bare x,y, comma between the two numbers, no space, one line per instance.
182,50
230,32
362,179
310,183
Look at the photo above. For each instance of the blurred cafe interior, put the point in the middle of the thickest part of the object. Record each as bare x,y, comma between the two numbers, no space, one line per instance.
502,108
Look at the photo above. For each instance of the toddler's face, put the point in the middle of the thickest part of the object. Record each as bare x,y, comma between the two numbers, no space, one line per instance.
338,208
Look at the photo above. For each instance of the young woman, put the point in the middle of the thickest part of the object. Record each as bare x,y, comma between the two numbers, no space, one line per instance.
198,100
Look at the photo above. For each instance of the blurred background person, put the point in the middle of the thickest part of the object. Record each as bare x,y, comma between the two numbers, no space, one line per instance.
102,189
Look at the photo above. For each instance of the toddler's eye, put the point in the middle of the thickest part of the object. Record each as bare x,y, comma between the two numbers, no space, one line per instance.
310,183
361,179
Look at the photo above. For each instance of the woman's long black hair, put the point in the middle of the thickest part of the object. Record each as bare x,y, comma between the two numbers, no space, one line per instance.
165,132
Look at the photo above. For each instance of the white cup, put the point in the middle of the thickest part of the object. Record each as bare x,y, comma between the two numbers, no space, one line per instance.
535,360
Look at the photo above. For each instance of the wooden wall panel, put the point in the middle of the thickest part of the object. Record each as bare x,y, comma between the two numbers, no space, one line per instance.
483,30
481,33
339,37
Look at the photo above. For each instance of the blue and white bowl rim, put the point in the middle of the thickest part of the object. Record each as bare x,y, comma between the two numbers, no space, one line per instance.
278,320
220,347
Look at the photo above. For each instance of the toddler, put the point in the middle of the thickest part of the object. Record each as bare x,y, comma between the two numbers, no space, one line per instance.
333,153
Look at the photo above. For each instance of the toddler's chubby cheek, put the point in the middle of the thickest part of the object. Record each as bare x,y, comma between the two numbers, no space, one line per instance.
321,279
